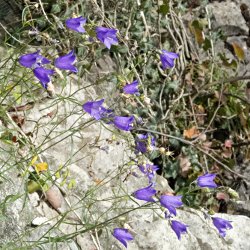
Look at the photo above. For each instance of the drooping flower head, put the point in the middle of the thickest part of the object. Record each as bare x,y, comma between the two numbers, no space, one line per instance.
33,60
96,110
66,62
107,36
131,88
76,24
122,235
43,75
167,59
206,180
171,203
179,228
145,194
222,225
144,142
124,123
149,170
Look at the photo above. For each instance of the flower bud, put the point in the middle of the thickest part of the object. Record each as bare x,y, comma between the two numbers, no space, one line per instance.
51,89
233,194
162,150
147,100
205,190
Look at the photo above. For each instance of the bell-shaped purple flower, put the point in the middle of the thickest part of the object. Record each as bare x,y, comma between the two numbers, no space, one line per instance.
222,225
145,194
206,180
167,59
76,24
149,170
171,203
96,110
131,88
66,62
107,36
122,235
33,60
124,123
141,143
43,75
179,228
144,142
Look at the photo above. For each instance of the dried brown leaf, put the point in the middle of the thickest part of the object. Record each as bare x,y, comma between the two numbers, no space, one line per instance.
18,119
238,51
185,166
191,133
200,114
227,153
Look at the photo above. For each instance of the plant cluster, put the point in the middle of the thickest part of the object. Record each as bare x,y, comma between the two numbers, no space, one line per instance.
144,142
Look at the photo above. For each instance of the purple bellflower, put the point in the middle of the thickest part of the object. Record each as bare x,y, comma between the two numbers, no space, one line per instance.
43,75
33,60
141,143
145,194
96,110
144,142
171,203
124,123
222,225
206,180
107,36
149,171
167,59
66,62
131,88
122,235
76,24
179,228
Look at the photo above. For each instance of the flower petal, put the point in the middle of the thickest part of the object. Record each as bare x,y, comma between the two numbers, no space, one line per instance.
122,235
131,88
107,36
124,123
28,60
179,228
171,202
66,62
222,225
167,59
207,180
94,108
43,75
145,194
76,24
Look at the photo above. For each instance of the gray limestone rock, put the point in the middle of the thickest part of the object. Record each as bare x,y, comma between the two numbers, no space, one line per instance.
228,18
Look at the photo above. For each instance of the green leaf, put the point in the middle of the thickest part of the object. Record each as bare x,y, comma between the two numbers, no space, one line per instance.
164,9
33,186
196,24
72,183
207,44
196,28
225,61
56,8
119,49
